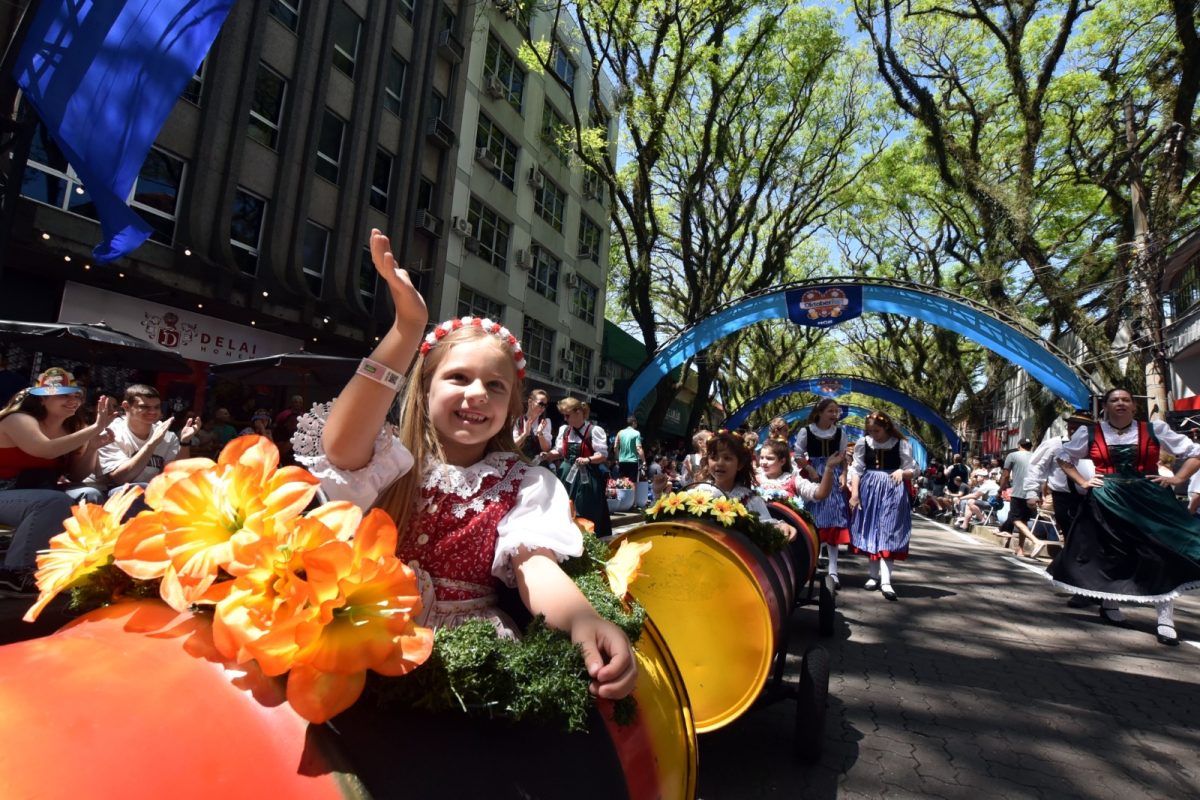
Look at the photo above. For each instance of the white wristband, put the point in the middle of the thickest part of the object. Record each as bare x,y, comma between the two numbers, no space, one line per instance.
380,373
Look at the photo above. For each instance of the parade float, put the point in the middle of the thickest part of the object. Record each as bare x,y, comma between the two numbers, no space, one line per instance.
244,640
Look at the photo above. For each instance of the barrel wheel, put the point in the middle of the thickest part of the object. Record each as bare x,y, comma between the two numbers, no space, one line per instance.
811,703
827,606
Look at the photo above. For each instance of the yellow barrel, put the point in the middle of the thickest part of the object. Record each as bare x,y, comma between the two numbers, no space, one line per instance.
720,605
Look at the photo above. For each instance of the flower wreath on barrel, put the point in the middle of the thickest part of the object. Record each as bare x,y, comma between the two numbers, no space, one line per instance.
318,598
730,513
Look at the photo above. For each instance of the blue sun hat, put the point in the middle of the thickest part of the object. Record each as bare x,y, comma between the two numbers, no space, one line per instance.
54,381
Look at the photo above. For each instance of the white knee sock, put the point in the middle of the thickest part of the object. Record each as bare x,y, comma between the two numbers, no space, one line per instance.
1166,613
832,549
885,571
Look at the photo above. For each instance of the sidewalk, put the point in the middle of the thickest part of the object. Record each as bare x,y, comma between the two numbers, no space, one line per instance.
979,682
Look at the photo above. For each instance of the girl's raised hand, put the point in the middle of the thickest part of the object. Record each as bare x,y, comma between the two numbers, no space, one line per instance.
106,411
411,313
608,656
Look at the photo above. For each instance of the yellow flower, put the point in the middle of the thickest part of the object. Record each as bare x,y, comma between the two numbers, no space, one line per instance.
673,503
698,503
202,511
625,565
724,511
84,546
740,510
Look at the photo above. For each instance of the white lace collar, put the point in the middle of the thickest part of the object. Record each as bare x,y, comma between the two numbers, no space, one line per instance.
820,434
465,481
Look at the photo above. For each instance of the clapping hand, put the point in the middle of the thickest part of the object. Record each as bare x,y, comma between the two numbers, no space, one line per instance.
106,411
189,429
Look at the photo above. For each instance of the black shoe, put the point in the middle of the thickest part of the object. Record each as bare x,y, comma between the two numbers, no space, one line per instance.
888,593
837,585
17,583
1166,635
1112,616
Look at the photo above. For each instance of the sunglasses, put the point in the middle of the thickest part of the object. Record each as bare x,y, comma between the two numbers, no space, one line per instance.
541,403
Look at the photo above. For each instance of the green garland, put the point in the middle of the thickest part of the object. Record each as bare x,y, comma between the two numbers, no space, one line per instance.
540,678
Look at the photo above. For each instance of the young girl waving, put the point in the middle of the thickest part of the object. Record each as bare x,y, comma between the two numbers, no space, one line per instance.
883,524
818,442
472,513
777,478
728,471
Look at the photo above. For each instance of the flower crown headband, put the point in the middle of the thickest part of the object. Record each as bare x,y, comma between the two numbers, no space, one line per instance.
494,328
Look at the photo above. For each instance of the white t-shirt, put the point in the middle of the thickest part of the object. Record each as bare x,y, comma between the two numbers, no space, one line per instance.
125,445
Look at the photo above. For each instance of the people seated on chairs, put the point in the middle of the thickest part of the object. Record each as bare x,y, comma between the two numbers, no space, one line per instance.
41,446
142,441
977,503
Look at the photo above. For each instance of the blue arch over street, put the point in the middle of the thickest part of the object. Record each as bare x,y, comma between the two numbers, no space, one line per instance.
834,385
920,452
934,306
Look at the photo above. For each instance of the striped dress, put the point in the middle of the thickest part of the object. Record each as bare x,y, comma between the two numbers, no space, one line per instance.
883,524
832,514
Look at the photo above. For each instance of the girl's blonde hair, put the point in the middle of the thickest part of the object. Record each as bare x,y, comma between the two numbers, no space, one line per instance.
778,429
418,434
884,421
570,404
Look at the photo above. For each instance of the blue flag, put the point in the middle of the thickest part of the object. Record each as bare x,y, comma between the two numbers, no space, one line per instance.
103,75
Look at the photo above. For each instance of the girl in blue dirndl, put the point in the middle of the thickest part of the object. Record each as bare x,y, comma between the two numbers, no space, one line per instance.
882,525
816,442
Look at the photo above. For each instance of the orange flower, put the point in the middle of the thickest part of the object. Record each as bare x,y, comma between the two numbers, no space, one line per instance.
358,604
84,546
202,510
625,565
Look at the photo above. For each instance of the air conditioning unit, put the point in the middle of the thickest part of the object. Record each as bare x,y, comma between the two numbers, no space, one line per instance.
602,384
440,133
564,354
536,179
564,374
573,280
524,259
471,244
585,254
463,226
449,47
485,157
428,222
495,87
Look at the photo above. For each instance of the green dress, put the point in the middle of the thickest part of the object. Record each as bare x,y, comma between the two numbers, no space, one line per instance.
1131,541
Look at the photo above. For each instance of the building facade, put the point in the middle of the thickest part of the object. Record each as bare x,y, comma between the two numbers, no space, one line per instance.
310,123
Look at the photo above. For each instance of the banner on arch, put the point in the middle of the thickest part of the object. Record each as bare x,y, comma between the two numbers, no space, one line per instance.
824,306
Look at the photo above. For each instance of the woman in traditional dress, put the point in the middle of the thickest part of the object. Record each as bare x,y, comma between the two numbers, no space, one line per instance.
883,523
821,438
1131,541
583,447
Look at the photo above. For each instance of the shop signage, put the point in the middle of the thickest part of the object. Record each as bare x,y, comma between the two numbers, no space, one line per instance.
195,336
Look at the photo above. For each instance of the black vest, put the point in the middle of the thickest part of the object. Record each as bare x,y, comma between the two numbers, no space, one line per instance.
884,459
823,448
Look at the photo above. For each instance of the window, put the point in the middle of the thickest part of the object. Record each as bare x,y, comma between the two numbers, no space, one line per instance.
195,85
425,195
501,65
156,193
266,108
346,29
287,12
537,340
381,179
367,278
329,146
407,9
437,105
598,117
493,233
583,300
550,203
543,278
245,229
393,87
589,238
1188,292
579,365
316,243
51,180
501,149
553,126
593,187
473,304
564,67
